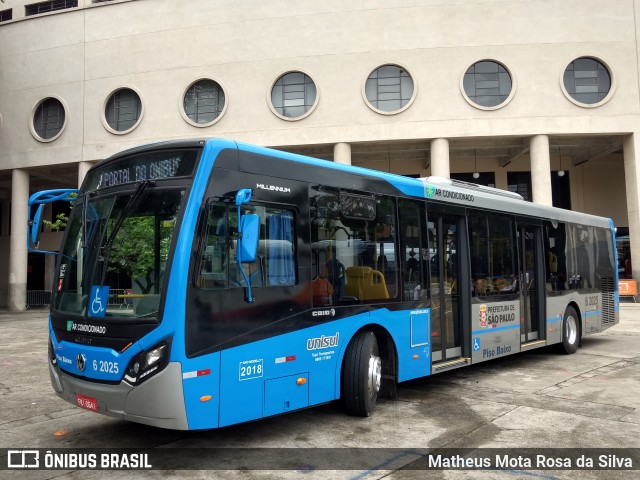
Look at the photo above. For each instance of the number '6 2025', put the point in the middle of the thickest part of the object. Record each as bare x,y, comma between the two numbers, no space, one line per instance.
105,367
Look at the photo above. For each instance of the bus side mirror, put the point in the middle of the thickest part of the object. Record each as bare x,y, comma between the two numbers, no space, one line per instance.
248,236
249,231
35,227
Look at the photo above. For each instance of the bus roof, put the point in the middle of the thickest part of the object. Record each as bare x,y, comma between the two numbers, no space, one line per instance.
438,189
446,190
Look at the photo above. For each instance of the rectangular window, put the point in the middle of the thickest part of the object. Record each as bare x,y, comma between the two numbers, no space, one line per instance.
556,248
412,255
605,264
493,267
275,263
6,15
561,190
582,275
44,7
354,247
520,182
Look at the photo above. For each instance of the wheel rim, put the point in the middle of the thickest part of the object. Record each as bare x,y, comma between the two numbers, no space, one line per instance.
571,329
374,375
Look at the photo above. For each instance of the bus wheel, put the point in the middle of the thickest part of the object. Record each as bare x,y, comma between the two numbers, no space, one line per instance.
361,374
570,331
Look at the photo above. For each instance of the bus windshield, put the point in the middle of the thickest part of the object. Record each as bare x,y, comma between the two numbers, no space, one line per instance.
116,251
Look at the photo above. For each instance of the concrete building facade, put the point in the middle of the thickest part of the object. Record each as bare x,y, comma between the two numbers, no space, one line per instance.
516,91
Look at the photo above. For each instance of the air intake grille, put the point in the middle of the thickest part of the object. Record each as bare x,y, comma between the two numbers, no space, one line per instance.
608,301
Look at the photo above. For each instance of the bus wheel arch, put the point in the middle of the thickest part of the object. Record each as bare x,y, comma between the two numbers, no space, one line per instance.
368,371
571,329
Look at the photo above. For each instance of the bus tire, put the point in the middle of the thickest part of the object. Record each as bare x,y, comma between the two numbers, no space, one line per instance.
361,374
570,331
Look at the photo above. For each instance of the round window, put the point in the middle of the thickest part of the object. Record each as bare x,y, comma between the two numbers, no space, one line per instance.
48,119
389,89
487,84
123,110
203,102
293,95
587,80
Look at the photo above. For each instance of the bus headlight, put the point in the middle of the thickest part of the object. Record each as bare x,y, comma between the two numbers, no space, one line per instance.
146,364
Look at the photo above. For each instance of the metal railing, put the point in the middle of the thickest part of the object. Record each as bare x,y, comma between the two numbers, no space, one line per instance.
42,298
38,298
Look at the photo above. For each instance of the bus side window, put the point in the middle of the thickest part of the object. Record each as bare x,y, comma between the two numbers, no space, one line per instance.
493,249
354,239
214,260
275,264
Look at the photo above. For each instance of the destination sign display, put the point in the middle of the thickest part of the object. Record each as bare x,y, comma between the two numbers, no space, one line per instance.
146,166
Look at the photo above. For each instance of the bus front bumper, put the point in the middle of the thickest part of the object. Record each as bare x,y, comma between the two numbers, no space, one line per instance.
159,401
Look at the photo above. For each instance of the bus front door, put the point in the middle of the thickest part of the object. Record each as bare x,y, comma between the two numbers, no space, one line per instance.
532,330
445,292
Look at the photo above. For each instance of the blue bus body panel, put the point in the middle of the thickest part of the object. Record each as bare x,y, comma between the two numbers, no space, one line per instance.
313,353
175,304
302,368
99,363
200,383
200,414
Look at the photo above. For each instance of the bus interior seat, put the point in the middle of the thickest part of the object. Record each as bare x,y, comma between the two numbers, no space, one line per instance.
364,283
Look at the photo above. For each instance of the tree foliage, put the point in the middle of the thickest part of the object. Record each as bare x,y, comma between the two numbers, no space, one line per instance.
133,253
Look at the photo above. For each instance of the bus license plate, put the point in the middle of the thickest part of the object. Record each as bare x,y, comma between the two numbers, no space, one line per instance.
88,403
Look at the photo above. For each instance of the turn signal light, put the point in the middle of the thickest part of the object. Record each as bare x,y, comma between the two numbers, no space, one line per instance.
301,381
205,398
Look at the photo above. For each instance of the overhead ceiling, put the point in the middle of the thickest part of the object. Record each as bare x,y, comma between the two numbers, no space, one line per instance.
579,149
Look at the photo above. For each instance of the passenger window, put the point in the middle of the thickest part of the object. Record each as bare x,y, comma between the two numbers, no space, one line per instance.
354,247
492,254
213,267
411,248
275,263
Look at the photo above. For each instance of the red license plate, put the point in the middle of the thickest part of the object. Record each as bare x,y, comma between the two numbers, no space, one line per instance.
88,403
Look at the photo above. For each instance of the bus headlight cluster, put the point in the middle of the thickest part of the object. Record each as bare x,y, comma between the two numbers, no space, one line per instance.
147,364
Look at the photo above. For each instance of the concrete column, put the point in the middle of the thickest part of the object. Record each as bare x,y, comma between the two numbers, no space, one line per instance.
501,178
440,158
541,170
631,147
83,168
17,293
342,153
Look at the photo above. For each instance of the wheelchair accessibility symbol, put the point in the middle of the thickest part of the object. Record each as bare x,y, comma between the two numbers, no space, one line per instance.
476,344
98,301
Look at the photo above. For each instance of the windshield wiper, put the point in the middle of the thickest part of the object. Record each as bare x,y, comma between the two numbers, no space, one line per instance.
106,247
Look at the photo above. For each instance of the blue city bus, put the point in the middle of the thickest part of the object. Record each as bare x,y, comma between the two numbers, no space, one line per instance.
204,283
